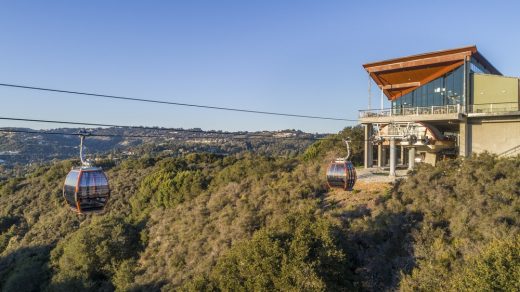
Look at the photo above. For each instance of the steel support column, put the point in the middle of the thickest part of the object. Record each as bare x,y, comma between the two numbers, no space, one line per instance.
369,160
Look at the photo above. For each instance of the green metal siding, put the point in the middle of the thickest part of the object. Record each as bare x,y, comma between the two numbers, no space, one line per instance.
494,89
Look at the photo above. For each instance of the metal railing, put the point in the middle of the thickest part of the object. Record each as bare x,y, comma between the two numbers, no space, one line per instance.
487,108
409,111
441,110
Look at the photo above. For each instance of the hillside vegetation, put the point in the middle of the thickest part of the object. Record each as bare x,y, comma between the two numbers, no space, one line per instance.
249,222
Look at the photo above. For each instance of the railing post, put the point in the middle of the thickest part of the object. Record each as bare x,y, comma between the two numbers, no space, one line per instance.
432,109
490,107
417,111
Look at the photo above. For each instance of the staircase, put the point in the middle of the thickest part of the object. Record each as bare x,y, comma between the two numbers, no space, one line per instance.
511,152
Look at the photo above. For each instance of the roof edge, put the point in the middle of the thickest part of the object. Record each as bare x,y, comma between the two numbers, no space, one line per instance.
486,63
472,49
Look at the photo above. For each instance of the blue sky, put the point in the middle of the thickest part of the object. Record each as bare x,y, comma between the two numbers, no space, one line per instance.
300,57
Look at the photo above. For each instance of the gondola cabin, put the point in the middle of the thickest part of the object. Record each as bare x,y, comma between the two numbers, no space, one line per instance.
86,189
341,174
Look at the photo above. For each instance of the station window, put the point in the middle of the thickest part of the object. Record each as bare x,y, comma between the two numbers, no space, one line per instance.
444,90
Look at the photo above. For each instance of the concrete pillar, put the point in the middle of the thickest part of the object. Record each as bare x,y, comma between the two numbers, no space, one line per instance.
464,139
369,160
380,155
392,157
402,155
383,156
411,158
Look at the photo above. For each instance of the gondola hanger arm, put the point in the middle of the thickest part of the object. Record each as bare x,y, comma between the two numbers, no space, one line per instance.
82,134
347,142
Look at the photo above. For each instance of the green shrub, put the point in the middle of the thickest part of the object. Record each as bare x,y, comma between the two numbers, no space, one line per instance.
90,257
25,269
124,275
497,268
303,252
167,189
335,144
465,204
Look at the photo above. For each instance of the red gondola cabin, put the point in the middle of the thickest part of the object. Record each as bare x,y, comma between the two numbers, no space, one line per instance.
341,174
86,189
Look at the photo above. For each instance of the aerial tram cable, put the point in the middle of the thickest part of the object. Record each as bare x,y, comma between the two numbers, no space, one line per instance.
41,132
86,189
175,103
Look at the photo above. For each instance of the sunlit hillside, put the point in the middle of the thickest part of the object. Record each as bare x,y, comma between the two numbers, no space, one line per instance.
250,222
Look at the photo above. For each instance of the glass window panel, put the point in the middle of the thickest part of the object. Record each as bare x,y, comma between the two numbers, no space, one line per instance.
72,178
424,91
449,85
100,178
439,91
432,91
340,170
429,93
477,67
332,170
86,179
438,99
337,170
457,85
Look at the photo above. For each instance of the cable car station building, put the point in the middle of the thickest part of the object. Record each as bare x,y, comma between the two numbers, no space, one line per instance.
444,103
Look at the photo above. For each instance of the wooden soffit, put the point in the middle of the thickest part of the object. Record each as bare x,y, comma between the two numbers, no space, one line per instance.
400,76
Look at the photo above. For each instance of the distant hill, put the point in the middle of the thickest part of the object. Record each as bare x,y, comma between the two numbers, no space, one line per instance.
25,148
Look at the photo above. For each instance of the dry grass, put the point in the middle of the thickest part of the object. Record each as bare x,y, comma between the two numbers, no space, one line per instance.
364,193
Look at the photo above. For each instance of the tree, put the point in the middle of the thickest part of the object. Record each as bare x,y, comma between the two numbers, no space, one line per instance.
302,253
89,258
497,268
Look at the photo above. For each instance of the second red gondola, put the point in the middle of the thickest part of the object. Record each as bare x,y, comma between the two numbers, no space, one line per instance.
341,174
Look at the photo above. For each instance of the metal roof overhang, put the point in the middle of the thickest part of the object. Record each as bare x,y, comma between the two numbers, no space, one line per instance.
400,76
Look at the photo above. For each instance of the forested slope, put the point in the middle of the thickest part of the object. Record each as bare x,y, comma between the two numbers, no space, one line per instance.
249,222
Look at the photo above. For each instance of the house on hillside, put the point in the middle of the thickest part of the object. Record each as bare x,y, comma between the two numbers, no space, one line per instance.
445,103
